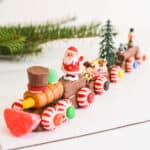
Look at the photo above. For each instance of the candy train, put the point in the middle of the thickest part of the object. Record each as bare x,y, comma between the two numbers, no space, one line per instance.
51,101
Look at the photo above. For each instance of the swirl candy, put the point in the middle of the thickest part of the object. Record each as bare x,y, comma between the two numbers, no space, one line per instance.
138,57
116,73
85,97
131,64
100,84
17,105
51,118
65,107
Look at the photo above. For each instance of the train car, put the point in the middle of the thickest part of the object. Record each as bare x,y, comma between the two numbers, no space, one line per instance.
108,74
130,58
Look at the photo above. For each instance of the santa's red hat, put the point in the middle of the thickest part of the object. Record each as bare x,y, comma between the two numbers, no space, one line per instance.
72,49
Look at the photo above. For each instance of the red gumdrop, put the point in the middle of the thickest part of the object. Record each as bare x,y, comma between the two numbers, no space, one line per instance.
20,123
90,97
144,57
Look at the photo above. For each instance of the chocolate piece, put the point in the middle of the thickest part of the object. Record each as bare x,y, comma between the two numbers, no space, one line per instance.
73,99
71,88
37,76
131,52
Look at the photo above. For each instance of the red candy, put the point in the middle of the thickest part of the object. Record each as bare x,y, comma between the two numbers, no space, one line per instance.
20,123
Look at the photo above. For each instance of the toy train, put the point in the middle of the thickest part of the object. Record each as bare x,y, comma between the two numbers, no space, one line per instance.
50,101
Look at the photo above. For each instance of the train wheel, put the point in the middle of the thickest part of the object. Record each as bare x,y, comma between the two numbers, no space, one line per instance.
138,57
17,105
101,85
85,97
116,74
131,64
51,118
65,107
144,57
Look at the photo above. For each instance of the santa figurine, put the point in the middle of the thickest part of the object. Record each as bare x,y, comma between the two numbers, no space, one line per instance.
71,64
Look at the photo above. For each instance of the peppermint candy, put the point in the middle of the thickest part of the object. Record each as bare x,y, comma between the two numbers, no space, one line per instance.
51,118
85,97
17,105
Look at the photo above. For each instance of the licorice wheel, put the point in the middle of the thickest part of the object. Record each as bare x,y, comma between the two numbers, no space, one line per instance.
116,74
99,84
51,118
17,105
85,97
131,64
65,107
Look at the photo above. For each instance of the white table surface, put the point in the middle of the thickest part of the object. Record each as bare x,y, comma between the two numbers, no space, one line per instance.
126,104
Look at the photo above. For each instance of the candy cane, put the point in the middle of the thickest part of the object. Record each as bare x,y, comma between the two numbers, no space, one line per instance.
65,107
17,105
50,118
116,74
85,97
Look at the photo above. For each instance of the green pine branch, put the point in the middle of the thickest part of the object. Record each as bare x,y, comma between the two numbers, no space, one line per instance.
26,39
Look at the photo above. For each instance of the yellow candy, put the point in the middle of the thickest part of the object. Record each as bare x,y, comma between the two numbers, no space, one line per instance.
28,103
121,73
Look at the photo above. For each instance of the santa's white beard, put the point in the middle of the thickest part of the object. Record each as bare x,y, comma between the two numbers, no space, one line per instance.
68,60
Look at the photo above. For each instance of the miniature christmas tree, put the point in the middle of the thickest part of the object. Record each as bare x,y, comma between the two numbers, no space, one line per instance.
107,45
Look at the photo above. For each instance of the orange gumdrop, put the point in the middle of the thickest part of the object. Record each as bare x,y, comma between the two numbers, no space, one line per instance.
58,119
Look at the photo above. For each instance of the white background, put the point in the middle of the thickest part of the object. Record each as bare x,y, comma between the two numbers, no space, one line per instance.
126,102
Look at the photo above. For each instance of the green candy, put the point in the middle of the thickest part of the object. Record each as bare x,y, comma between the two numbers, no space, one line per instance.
70,112
52,76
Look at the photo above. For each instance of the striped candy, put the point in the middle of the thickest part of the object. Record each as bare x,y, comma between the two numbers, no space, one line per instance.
85,97
130,64
114,77
17,105
62,106
138,57
99,84
48,116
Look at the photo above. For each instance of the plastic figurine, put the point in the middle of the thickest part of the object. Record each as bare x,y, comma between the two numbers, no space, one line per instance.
130,38
71,64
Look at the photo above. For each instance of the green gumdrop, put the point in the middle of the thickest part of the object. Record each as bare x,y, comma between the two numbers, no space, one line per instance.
70,112
52,76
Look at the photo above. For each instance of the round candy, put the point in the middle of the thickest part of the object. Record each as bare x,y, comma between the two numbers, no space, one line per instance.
116,74
17,105
52,76
99,84
121,73
51,118
70,113
131,64
144,57
138,57
65,107
85,97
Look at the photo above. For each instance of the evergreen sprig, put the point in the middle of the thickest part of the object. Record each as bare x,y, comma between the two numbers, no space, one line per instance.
26,39
10,42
